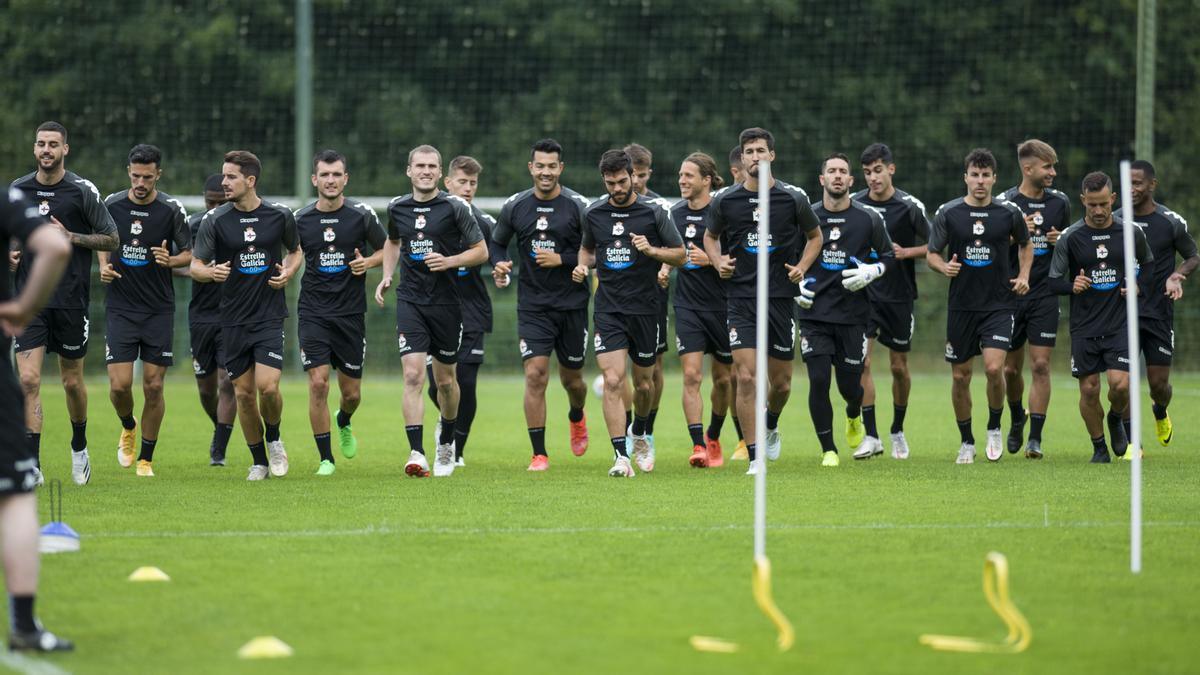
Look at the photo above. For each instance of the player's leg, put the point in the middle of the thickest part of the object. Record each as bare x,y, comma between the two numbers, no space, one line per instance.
468,403
226,416
960,398
412,364
868,398
779,390
643,399
692,364
349,398
537,376
29,372
570,344
820,408
655,396
154,409
120,393
1039,397
71,372
1093,415
850,356
740,452
993,366
318,415
1118,402
249,418
206,387
446,378
744,373
612,367
1014,386
270,404
721,399
1159,379
901,389
19,536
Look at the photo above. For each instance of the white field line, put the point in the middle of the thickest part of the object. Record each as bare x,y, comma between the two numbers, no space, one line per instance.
28,665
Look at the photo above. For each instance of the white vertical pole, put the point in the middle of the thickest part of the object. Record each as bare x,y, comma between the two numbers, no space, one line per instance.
1135,375
760,360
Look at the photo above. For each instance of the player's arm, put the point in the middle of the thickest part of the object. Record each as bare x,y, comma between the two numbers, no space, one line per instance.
859,276
920,226
712,248
1020,234
1185,246
295,257
376,238
391,256
587,254
182,242
812,248
476,252
672,252
1060,281
108,273
103,236
203,250
939,239
51,251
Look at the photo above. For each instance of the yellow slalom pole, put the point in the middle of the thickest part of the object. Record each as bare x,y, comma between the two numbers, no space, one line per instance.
761,584
995,589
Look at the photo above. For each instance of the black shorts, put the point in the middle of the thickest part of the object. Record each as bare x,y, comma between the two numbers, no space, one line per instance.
1035,320
1096,355
636,333
246,345
471,350
128,337
208,349
60,331
781,326
892,324
663,303
16,459
845,343
1156,337
435,330
705,332
565,332
338,341
969,333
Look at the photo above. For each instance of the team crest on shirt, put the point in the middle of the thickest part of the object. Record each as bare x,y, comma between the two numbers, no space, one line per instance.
329,234
618,228
249,234
1038,219
977,228
690,232
135,227
420,222
543,223
835,233
44,207
1101,251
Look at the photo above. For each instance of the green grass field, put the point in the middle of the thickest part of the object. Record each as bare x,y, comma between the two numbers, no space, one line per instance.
496,570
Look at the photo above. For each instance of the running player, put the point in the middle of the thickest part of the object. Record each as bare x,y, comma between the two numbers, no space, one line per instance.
139,318
61,327
547,221
1168,236
238,245
20,220
700,312
431,234
892,320
627,236
1047,213
833,330
736,172
334,234
733,217
1089,265
978,232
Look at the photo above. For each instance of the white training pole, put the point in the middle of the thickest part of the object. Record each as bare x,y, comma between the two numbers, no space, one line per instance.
1135,375
760,361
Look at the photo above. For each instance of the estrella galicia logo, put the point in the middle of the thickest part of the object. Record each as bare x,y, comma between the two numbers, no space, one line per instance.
252,260
618,256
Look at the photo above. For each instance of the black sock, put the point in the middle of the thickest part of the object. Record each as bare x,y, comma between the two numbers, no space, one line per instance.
696,431
460,442
853,410
127,422
79,436
639,426
994,415
650,422
272,433
343,418
737,426
20,613
715,422
898,412
414,433
537,438
772,420
868,414
575,414
751,451
147,449
826,439
1160,411
618,443
258,451
1098,444
447,431
1018,411
628,418
324,447
964,431
1035,426
35,446
221,437
1127,424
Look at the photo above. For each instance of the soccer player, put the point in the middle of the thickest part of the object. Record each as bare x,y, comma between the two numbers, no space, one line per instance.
239,246
341,240
738,174
978,231
1162,285
139,318
73,204
627,236
431,234
1047,213
548,223
891,314
733,215
735,165
833,330
700,312
1089,265
47,254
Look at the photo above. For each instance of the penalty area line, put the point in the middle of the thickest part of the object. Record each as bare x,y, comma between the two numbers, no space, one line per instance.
28,665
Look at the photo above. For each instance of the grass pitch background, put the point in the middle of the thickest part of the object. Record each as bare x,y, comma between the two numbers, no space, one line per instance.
501,571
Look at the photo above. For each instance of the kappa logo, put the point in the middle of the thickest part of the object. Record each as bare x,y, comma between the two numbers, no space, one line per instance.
1101,251
543,223
618,228
835,233
135,227
249,234
329,234
44,207
977,228
420,222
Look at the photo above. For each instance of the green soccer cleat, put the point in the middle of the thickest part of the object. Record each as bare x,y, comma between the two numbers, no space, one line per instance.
829,458
326,468
348,442
1164,430
855,431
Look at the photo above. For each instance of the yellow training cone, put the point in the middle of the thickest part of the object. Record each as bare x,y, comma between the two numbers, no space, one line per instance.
149,574
265,647
703,643
995,589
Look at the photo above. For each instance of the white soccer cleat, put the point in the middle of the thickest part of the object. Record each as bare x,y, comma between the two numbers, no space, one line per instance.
966,454
258,472
460,462
277,458
774,444
753,470
995,445
417,466
643,453
38,479
870,447
443,461
899,446
621,468
81,467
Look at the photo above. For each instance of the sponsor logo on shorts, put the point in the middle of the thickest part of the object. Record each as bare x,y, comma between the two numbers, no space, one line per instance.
898,341
853,362
646,355
107,352
1123,359
274,355
351,366
1000,338
1048,335
477,352
72,347
443,352
169,355
1164,350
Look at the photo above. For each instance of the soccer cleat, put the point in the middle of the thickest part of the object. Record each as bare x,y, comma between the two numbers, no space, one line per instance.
326,468
40,640
855,431
539,463
417,466
443,460
579,437
258,472
125,453
699,458
830,458
1016,434
715,456
1128,454
1033,449
754,467
1164,430
870,447
460,461
144,469
621,468
899,446
38,479
215,457
277,458
774,444
1100,457
995,447
643,452
1121,450
966,454
741,453
347,442
1116,433
81,468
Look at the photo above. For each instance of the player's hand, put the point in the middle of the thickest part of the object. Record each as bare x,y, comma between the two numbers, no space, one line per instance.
547,259
281,278
725,266
1082,283
579,274
501,272
795,274
857,278
805,296
358,265
641,243
12,319
436,262
384,284
220,272
1174,289
62,227
696,256
14,259
664,277
1052,236
162,254
108,273
1029,223
897,251
953,267
1020,285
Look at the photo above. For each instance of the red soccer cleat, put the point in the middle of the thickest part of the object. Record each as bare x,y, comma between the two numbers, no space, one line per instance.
699,458
715,456
579,437
539,463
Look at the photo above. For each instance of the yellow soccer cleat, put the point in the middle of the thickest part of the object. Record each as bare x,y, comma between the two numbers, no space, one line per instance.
1164,430
143,468
125,453
855,431
829,458
742,453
